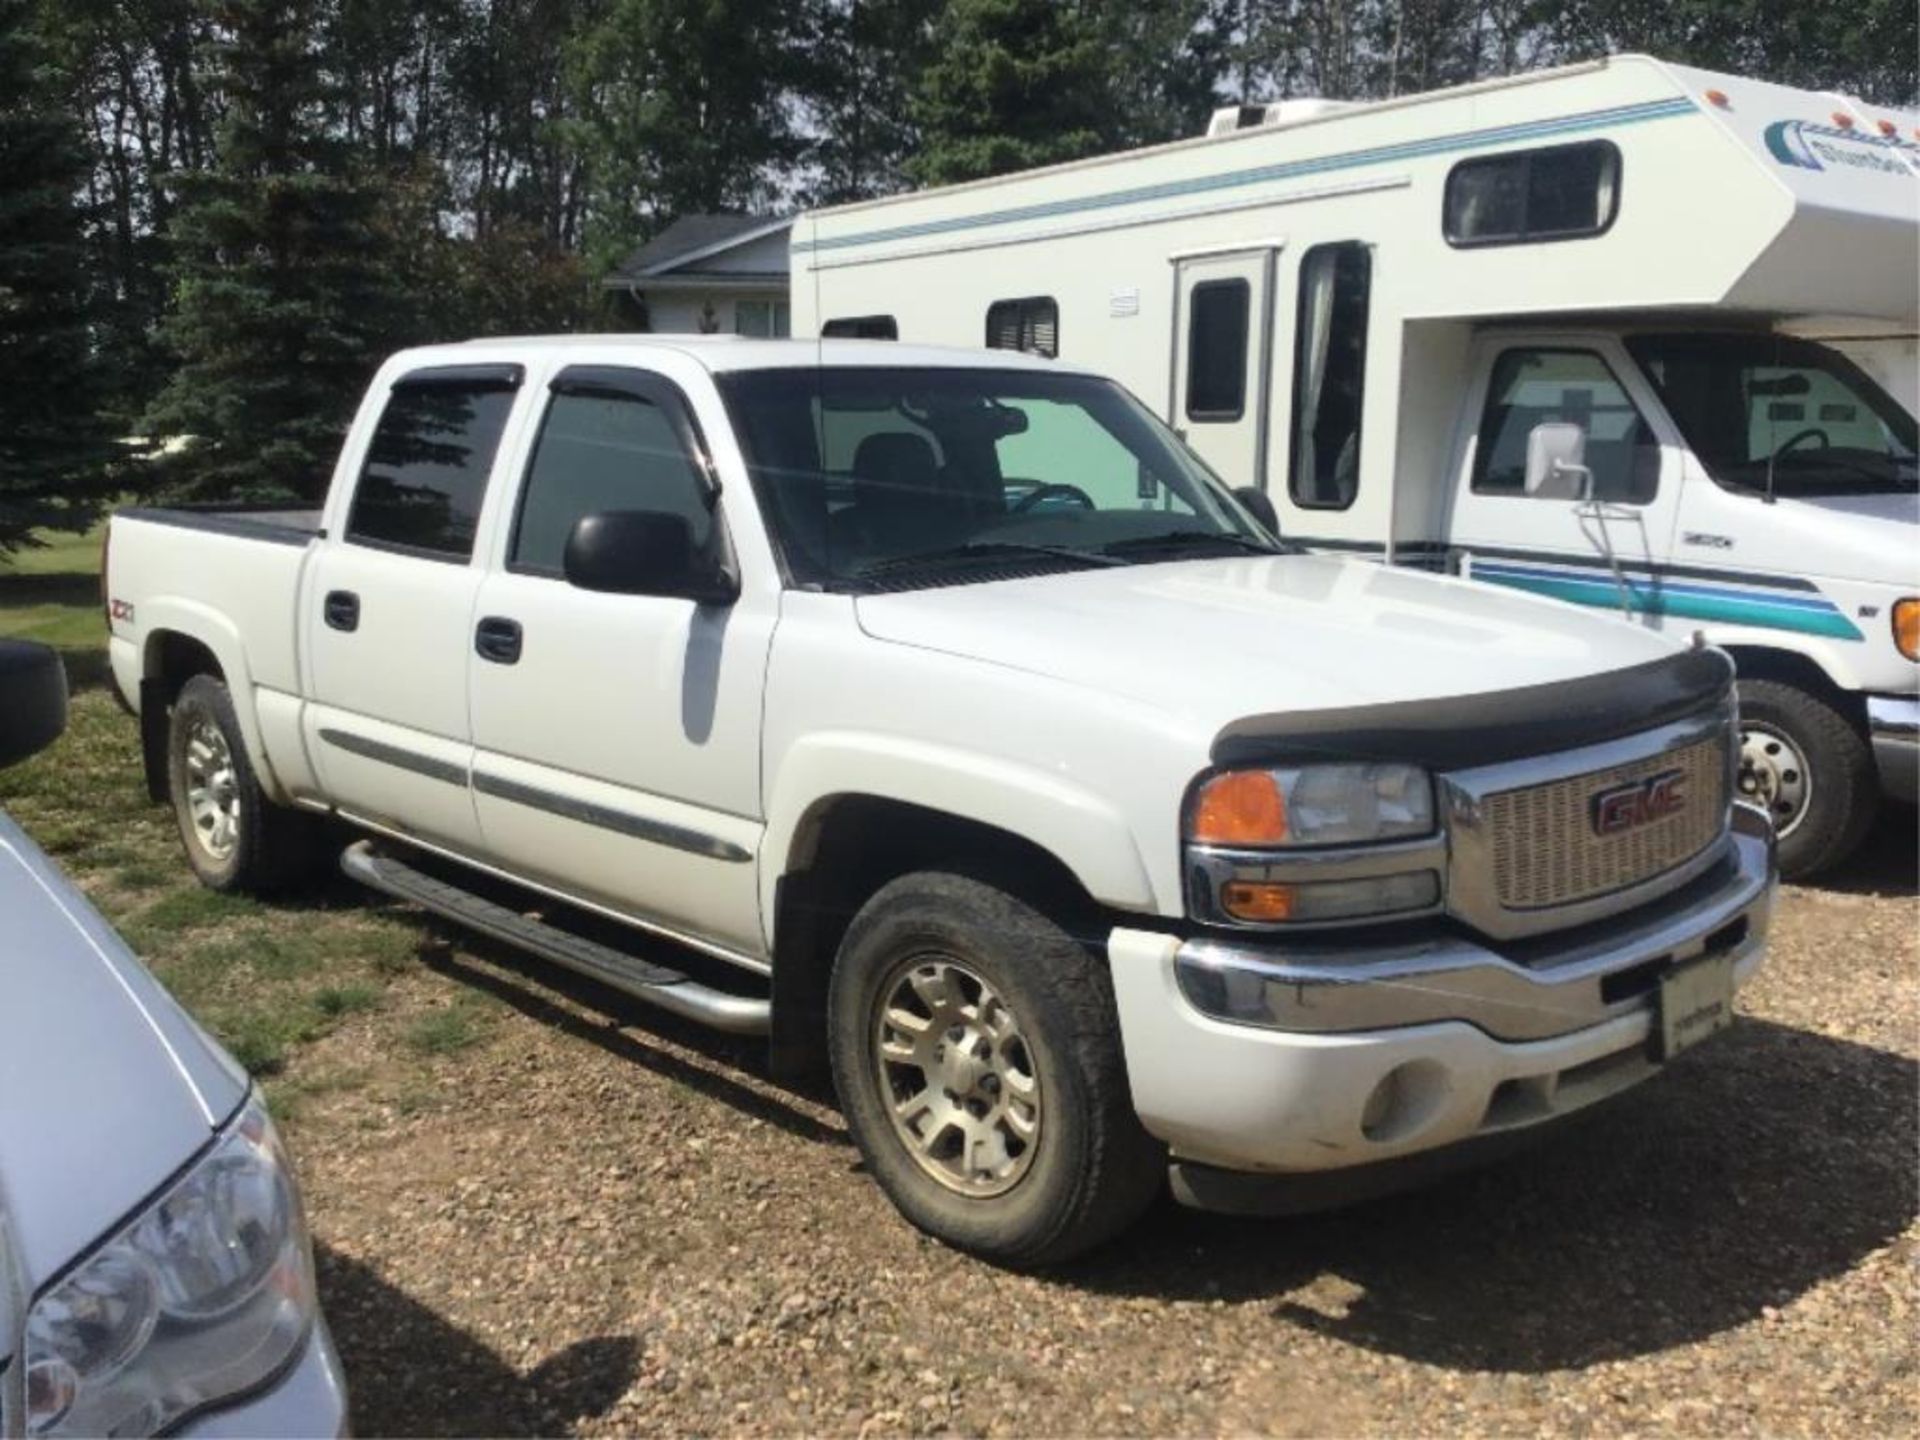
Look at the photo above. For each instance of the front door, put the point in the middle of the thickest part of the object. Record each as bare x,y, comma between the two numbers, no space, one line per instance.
388,609
617,736
1222,356
1603,551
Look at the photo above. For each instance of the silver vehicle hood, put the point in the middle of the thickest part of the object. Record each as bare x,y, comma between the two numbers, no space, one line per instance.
106,1086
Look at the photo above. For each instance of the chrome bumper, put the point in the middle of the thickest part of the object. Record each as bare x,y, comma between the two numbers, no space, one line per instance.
1528,990
1893,723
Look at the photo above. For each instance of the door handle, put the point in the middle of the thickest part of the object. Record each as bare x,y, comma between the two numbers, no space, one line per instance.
342,610
497,638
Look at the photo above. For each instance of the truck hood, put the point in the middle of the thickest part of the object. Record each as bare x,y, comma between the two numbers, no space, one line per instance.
1211,641
106,1086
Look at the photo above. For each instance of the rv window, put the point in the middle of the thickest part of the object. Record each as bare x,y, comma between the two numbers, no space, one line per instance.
1557,193
1032,325
1535,387
1329,375
1217,350
862,327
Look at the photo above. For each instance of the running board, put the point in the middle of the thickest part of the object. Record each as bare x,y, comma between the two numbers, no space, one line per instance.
655,984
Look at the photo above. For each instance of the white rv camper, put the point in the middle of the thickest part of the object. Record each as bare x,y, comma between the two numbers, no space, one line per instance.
1550,331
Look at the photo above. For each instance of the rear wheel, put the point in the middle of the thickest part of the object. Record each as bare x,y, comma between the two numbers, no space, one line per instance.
235,838
1811,769
977,1057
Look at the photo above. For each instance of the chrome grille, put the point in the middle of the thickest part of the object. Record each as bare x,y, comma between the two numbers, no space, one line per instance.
1547,851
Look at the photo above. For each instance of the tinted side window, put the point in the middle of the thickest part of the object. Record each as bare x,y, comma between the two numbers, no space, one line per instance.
427,466
1329,375
1217,350
1032,324
862,327
599,450
1534,387
1556,193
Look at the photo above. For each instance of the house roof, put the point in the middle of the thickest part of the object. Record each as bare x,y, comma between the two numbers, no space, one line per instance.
693,238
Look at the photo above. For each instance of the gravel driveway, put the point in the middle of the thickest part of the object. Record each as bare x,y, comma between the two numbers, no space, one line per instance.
602,1221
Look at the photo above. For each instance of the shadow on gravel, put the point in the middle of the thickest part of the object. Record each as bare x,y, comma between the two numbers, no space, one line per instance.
409,1372
1887,862
745,1055
1761,1165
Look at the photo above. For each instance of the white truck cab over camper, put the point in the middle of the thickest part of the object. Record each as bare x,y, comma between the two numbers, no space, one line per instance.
1561,332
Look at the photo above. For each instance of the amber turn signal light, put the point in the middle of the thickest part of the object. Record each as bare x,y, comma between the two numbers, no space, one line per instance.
1241,807
1255,902
1906,627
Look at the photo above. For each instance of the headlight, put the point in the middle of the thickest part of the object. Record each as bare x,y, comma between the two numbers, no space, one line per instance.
202,1296
1313,844
1343,804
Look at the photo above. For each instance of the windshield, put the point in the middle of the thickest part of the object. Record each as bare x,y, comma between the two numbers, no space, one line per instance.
1781,416
881,477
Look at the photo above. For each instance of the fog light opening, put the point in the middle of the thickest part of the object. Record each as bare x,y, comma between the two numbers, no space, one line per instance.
1404,1102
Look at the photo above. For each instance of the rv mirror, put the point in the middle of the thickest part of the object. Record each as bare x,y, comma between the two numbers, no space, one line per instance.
1556,455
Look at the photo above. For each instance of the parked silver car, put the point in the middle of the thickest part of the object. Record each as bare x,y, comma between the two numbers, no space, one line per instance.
155,1271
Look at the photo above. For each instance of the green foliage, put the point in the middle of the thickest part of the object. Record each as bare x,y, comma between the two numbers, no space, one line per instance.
53,446
677,107
284,301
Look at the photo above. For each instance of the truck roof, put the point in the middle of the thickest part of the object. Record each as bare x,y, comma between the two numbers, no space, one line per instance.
721,353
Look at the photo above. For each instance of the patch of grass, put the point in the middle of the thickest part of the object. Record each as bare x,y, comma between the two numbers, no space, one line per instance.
446,1032
194,909
334,1001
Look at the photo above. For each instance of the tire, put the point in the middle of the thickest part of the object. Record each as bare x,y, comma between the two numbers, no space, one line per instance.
1041,1049
235,838
1811,768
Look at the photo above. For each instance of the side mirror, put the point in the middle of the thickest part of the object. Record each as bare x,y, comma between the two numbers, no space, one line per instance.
1257,503
1556,456
33,699
644,552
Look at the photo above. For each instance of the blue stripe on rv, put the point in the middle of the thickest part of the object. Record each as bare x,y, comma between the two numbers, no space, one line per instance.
1234,179
1763,609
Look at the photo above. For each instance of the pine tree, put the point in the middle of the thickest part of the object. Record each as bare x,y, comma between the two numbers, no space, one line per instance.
53,445
1016,83
282,302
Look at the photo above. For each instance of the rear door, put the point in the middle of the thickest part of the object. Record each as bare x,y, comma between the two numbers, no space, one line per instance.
617,736
388,622
1604,552
1222,355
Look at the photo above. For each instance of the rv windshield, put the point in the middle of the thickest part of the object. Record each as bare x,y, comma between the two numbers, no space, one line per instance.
1781,416
882,477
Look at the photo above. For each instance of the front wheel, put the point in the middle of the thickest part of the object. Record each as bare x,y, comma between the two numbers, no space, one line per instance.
1811,769
977,1056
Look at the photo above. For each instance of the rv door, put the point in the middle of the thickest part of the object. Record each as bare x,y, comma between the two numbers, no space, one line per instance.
1222,352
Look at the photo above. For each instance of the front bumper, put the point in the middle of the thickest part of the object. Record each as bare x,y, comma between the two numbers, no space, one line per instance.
1302,1059
1893,724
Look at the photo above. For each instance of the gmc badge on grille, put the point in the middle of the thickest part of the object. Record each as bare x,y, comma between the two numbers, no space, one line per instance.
1627,807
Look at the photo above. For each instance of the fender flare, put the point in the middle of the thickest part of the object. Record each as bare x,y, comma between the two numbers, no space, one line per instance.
1083,831
207,626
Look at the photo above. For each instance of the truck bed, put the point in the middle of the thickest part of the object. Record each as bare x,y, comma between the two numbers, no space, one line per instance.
252,522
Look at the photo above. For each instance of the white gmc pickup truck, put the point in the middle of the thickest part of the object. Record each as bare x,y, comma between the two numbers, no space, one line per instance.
958,727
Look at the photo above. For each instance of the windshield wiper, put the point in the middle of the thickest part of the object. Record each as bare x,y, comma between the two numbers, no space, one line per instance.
979,550
1181,539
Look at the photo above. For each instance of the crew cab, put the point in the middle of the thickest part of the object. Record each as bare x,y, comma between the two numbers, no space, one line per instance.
955,725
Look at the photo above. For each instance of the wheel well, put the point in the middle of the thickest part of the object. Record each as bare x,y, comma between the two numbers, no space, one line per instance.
1788,667
844,851
172,660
